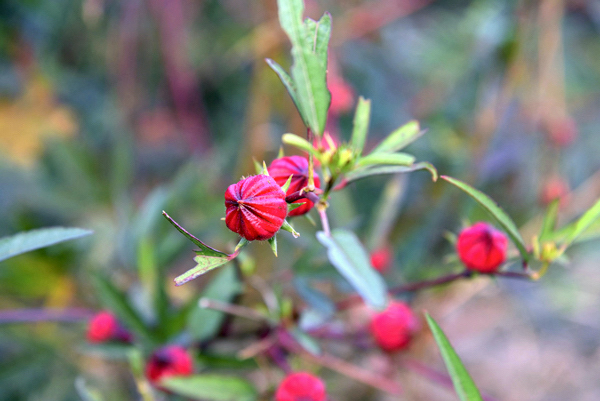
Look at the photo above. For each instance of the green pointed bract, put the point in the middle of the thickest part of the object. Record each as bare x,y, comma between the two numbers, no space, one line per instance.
292,206
286,186
265,170
257,166
243,242
287,227
273,243
281,153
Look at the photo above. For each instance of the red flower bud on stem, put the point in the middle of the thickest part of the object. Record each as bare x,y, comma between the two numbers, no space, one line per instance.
393,328
104,326
296,166
255,207
301,386
482,248
171,360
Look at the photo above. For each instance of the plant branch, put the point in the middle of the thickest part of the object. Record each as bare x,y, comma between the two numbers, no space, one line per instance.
236,310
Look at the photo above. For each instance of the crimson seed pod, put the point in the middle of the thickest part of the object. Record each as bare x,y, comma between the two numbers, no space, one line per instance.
171,360
393,328
301,386
255,207
482,248
104,327
296,166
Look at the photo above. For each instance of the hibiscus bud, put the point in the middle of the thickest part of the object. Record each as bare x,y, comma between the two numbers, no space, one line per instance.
104,327
256,207
381,258
482,248
296,166
172,360
393,328
301,386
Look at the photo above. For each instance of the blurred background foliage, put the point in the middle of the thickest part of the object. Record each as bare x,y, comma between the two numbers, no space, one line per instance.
111,111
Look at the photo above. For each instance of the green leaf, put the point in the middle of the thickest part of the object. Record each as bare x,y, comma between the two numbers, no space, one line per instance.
35,239
286,80
115,300
323,34
495,211
211,387
350,258
463,384
273,242
204,323
308,70
298,142
204,264
400,138
585,221
204,249
399,159
361,125
368,172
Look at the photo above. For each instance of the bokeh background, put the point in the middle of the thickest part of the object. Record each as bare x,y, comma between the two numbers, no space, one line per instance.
111,111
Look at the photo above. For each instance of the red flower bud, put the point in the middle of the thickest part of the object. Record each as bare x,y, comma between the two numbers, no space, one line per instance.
342,95
104,327
296,166
301,386
381,258
171,360
256,207
393,328
554,188
482,248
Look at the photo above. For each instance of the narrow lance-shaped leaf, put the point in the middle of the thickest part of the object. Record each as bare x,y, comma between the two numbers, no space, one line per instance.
298,142
400,138
211,387
204,249
463,384
286,81
350,258
495,211
583,223
204,265
379,170
400,159
361,125
550,217
35,239
323,36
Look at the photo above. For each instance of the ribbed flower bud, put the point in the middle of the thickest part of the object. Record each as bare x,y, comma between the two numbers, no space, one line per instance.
482,248
393,328
256,207
104,327
171,360
296,166
301,386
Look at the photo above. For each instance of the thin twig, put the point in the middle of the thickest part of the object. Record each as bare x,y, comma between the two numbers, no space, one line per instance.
69,315
236,310
339,365
324,220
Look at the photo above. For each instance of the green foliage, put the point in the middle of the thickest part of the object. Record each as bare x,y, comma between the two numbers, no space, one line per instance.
349,257
211,387
35,239
463,384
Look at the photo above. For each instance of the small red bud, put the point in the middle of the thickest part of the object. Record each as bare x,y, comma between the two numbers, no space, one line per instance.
296,166
393,328
482,248
554,188
104,327
168,361
301,386
255,207
381,258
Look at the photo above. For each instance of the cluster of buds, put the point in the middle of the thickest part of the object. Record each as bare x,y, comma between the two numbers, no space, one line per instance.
256,206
